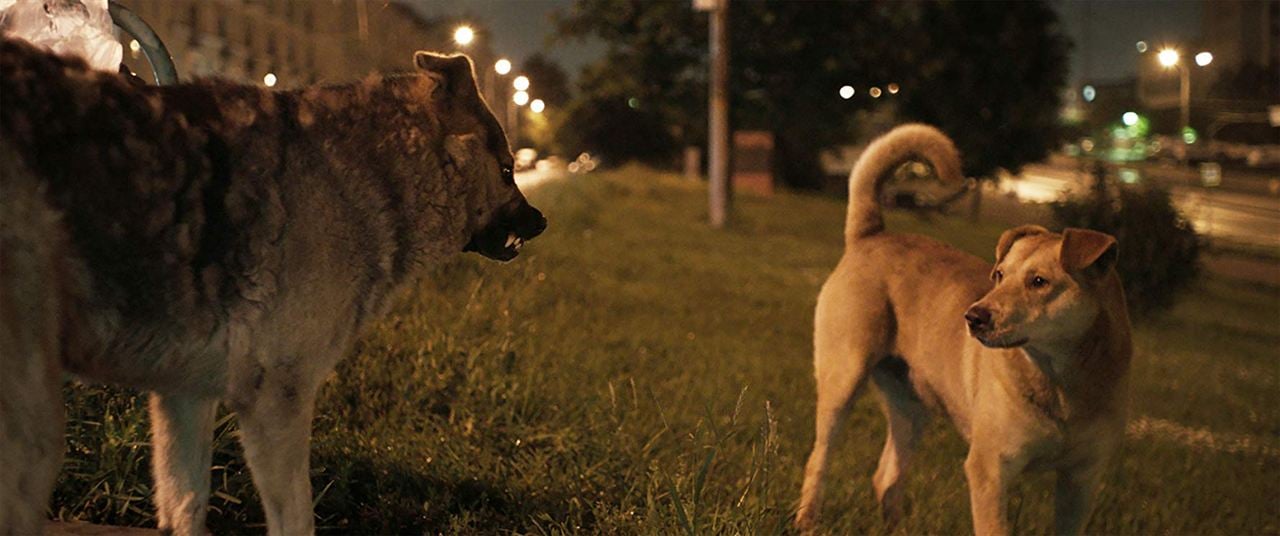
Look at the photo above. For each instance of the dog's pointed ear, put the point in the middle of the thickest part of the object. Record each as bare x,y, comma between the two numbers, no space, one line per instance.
1012,235
452,73
1084,249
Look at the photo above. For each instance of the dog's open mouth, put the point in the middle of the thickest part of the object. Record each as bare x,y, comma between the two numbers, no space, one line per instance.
501,241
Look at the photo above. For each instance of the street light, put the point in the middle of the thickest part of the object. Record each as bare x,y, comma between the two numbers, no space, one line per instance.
269,80
1169,59
464,35
521,98
846,92
536,106
521,83
503,66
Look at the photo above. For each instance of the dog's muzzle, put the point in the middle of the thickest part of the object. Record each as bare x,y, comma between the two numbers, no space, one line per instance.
507,232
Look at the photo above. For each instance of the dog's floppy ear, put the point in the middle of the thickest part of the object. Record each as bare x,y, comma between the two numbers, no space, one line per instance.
452,73
1012,235
1084,249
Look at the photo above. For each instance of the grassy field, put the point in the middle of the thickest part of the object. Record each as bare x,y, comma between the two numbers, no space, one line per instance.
636,372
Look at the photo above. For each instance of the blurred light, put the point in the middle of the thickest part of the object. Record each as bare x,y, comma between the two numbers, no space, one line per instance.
1142,46
573,167
1130,119
134,46
537,106
521,98
1089,93
521,83
1204,58
464,35
1189,135
503,66
893,89
269,79
1168,57
1129,176
633,102
875,92
1087,145
846,92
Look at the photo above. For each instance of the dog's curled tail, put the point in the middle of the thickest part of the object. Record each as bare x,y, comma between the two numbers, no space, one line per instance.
881,158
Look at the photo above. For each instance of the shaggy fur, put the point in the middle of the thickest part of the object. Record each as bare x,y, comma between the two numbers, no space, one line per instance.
1037,381
216,241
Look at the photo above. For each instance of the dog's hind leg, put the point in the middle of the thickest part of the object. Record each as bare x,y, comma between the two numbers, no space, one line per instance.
906,417
275,428
842,355
31,409
182,439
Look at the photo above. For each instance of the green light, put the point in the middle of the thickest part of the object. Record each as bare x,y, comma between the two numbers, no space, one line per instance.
633,102
1189,135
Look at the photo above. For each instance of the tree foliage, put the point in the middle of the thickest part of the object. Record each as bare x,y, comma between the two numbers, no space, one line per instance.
988,74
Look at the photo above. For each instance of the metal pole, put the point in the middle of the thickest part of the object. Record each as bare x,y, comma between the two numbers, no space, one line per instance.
157,54
1185,96
718,127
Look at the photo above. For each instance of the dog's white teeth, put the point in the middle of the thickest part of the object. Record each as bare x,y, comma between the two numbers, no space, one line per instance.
511,239
519,242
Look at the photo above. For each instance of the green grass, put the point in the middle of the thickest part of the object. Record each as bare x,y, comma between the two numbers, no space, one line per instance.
637,372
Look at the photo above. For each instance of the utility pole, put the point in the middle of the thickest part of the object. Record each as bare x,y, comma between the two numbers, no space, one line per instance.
718,127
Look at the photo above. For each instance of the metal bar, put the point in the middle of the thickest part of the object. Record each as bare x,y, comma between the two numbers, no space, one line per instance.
153,48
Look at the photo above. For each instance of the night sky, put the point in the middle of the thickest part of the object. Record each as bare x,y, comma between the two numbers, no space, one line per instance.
1104,31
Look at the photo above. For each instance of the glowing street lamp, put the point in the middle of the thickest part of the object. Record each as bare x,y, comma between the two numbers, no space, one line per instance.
1168,57
503,66
1130,119
269,79
464,35
875,92
536,106
1204,58
521,83
846,92
893,89
521,98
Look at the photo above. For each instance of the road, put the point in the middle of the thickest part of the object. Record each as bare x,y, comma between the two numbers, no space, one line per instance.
1246,212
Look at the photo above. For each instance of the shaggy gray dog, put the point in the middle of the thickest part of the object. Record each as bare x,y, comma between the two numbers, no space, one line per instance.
216,241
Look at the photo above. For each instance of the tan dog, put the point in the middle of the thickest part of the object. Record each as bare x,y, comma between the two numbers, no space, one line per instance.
1031,370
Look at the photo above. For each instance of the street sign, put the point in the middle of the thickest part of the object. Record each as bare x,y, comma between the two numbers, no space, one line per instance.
1211,174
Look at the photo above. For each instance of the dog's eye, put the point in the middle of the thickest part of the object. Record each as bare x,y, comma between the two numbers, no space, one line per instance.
1038,282
997,275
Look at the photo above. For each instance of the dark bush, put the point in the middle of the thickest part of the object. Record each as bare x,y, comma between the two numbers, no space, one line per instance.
1159,249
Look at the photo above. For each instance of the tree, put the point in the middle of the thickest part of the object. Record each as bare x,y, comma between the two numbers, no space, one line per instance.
549,81
790,58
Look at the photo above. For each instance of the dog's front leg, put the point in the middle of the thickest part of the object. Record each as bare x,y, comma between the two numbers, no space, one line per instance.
182,440
989,473
275,428
1073,498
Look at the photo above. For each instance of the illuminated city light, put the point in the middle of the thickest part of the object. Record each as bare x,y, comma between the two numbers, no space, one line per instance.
875,92
503,66
521,98
521,83
269,79
1204,58
1168,57
893,89
1089,93
1130,119
537,106
134,46
846,92
464,35
1142,46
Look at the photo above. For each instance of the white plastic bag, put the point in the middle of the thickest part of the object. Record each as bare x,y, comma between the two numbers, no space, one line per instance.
74,27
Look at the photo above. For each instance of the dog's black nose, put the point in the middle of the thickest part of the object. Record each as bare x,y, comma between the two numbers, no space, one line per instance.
979,318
